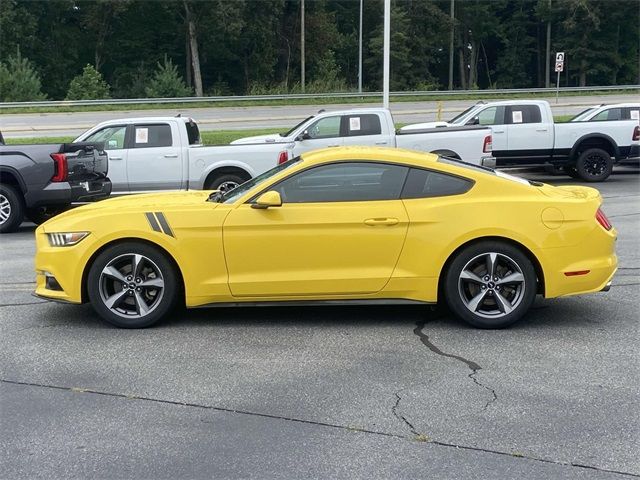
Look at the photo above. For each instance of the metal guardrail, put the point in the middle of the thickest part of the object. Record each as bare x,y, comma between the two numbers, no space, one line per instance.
248,98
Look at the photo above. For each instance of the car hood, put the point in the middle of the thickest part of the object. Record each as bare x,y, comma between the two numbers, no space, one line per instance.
131,204
271,138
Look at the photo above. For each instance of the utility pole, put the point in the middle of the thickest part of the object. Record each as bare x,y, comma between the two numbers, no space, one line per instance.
385,56
451,45
302,46
547,83
360,51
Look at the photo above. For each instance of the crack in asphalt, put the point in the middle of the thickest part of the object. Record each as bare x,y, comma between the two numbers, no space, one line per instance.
473,366
623,215
21,304
321,424
401,417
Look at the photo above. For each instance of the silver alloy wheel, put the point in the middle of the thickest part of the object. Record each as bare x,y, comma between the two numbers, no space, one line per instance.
131,285
227,186
5,209
491,285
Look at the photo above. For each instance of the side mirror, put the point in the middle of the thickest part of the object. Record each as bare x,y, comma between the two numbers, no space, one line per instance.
474,121
268,199
303,136
111,144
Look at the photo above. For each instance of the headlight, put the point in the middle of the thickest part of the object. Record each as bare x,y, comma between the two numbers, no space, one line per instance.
65,239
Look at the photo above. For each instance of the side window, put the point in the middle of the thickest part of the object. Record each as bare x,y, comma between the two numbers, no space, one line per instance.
113,137
344,182
607,115
523,114
425,183
360,125
328,127
634,113
148,136
490,116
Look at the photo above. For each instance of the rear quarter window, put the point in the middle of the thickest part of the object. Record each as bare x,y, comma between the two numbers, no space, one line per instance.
427,183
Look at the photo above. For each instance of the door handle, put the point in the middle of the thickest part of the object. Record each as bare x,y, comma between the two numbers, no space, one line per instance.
171,155
381,143
374,222
114,158
541,129
333,146
498,131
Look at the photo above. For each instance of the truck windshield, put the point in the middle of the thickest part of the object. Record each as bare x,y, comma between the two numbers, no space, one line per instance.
458,117
232,195
286,134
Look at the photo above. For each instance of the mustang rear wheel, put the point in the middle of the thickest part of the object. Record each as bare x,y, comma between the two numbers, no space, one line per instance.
490,285
132,285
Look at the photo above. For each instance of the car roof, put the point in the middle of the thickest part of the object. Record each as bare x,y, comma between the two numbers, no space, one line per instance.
396,155
146,120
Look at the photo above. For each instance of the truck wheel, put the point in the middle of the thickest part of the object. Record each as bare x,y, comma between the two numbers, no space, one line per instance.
224,182
11,209
594,165
40,215
490,284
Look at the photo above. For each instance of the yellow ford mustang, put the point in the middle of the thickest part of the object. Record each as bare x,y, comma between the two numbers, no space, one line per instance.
338,225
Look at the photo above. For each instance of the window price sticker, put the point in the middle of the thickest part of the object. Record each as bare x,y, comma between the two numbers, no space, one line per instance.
354,123
142,135
516,116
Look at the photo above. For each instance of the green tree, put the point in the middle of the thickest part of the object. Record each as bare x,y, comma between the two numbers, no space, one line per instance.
167,82
88,86
19,81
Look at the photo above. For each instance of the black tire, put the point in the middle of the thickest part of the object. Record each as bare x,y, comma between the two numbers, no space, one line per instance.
40,215
571,171
129,296
490,303
594,165
225,182
11,208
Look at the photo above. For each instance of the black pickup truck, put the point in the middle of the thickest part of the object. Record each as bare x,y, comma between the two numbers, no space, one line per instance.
38,181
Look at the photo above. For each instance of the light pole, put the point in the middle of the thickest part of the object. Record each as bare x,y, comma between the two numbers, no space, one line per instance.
302,72
360,51
451,46
385,61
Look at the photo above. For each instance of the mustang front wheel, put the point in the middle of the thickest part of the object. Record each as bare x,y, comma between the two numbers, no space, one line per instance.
490,285
132,285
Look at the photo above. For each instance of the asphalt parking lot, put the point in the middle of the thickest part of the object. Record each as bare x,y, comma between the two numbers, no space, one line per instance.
325,392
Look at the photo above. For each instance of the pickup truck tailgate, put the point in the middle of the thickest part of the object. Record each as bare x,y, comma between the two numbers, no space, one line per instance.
85,161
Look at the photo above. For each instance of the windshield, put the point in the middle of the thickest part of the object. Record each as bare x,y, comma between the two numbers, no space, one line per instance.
581,116
458,117
490,171
286,134
232,195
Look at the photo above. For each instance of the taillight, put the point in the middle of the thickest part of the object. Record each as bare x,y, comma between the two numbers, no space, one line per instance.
487,145
61,168
603,220
636,134
283,157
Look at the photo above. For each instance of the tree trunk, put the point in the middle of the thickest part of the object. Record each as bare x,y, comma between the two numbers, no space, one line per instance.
187,69
193,44
583,73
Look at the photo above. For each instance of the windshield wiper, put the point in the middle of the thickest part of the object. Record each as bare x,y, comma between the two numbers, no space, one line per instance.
216,196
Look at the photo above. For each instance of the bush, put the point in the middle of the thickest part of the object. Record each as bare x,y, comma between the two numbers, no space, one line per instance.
167,82
88,86
19,81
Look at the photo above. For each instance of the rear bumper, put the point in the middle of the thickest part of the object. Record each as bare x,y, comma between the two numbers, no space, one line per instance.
585,268
64,193
488,162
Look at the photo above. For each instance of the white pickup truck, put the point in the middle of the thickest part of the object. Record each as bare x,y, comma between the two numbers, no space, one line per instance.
166,153
524,134
375,126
